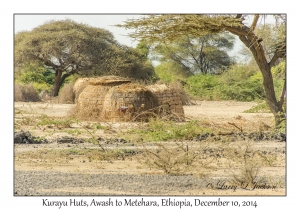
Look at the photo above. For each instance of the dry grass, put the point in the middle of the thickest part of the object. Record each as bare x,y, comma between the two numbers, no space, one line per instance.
246,163
45,95
109,80
184,96
26,93
66,94
65,155
180,158
18,94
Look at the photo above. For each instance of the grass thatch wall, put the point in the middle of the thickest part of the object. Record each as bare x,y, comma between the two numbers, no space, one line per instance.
168,99
79,86
117,99
126,102
91,99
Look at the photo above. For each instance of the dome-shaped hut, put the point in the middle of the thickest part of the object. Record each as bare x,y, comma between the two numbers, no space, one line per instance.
90,100
168,100
79,86
128,102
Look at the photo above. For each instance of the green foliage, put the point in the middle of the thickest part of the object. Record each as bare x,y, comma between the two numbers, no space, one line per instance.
279,70
162,131
206,54
39,87
234,84
260,108
143,48
97,126
168,27
240,82
57,122
170,72
202,85
70,48
245,90
36,74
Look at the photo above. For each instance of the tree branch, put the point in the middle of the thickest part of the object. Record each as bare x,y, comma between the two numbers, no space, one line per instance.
238,16
49,63
245,41
242,30
254,22
281,100
274,59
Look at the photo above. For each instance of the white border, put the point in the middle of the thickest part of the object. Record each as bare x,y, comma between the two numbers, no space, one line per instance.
8,201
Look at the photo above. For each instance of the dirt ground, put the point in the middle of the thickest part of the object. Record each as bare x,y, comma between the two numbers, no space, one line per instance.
217,114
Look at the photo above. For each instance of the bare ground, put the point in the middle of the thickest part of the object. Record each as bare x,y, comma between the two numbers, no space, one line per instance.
41,170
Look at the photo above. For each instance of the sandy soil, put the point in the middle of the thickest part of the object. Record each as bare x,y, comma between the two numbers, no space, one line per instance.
217,114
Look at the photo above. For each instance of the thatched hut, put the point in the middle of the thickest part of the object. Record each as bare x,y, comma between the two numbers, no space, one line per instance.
168,100
128,102
118,99
79,86
90,100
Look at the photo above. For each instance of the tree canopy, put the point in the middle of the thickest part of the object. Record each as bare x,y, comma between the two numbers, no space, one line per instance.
70,48
167,28
206,54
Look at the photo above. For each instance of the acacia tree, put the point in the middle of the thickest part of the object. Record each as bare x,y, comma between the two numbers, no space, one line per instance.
167,28
70,48
64,46
206,54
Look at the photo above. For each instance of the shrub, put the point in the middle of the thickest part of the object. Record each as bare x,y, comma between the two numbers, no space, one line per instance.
157,130
26,93
241,83
243,90
260,108
39,87
202,85
18,93
66,94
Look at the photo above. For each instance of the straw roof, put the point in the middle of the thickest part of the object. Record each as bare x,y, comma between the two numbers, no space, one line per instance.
108,80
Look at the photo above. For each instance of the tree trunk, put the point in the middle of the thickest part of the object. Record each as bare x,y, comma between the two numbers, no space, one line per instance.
275,106
57,83
259,55
59,79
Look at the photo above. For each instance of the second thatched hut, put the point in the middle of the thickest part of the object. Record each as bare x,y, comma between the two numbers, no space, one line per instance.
168,100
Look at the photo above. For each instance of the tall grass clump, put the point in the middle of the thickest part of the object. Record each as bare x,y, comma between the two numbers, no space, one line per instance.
66,94
25,93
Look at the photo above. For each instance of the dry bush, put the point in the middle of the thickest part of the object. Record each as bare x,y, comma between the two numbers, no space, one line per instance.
18,93
184,96
26,93
249,163
178,159
66,94
45,95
